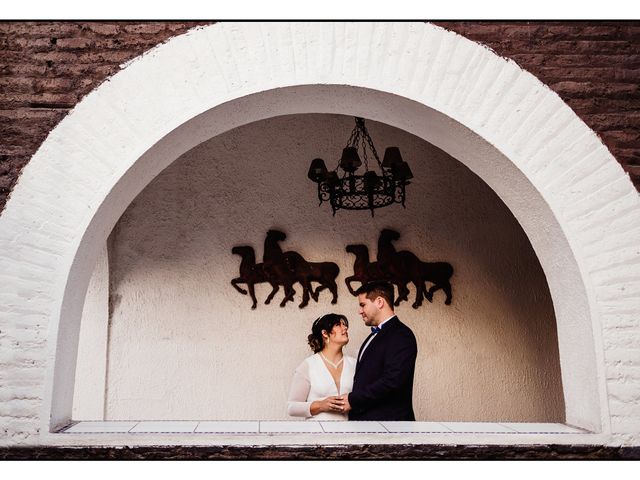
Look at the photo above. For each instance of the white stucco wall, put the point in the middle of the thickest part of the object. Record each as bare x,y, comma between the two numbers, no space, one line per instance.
185,345
89,393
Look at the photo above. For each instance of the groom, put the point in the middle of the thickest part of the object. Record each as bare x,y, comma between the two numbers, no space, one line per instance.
383,382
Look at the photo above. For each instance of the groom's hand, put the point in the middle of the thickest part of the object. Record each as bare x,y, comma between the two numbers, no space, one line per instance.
347,405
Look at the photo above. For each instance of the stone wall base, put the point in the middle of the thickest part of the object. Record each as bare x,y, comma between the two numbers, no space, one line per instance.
353,452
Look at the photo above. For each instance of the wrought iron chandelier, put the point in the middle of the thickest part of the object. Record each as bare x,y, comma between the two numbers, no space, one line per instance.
343,188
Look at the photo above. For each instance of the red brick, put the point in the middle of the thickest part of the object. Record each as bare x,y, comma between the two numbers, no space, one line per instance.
86,69
66,29
55,57
592,60
587,47
621,139
602,31
5,182
184,26
16,85
9,57
24,128
73,43
612,74
631,31
104,28
110,43
14,151
25,69
33,44
43,98
629,156
589,106
38,29
613,121
29,115
54,85
591,89
478,31
108,56
145,28
523,30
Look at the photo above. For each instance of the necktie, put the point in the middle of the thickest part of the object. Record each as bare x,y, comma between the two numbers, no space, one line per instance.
375,329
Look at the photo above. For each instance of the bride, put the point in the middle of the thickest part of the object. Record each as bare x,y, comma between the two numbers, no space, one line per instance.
321,380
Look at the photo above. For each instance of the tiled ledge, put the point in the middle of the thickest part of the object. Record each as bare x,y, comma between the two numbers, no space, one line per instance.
313,427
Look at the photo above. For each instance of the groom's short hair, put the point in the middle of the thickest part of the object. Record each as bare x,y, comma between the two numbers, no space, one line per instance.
377,289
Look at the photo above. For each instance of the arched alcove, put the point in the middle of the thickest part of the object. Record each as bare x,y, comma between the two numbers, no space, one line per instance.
183,344
514,189
556,177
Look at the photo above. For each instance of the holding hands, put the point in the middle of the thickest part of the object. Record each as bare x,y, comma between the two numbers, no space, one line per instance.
334,404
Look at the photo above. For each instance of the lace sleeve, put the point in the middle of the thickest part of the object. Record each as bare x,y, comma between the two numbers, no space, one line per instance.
297,405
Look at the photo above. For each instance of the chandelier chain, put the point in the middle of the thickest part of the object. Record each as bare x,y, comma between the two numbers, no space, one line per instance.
369,141
360,138
364,155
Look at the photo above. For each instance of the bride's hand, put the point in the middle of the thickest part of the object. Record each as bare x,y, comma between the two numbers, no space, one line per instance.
329,404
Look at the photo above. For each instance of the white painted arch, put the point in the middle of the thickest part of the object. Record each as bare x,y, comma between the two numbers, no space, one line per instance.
578,208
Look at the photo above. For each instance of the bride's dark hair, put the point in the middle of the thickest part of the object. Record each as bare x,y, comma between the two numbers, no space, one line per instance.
324,322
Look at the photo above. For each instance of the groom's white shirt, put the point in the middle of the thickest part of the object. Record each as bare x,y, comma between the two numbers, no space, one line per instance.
373,336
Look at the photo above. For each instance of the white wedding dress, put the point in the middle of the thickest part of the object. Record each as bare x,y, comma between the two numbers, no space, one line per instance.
312,381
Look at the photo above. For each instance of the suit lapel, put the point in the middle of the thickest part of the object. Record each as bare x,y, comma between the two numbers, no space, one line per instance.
360,351
389,324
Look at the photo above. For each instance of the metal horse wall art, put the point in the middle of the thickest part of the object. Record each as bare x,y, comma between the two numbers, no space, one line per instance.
284,269
400,268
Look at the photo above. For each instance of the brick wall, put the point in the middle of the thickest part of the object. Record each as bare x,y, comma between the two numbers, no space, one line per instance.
47,67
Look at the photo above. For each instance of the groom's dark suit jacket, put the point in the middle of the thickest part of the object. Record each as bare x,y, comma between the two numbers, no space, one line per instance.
383,382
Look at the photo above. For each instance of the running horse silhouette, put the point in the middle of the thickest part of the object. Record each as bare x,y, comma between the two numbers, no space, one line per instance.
291,267
251,273
405,267
284,269
364,271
